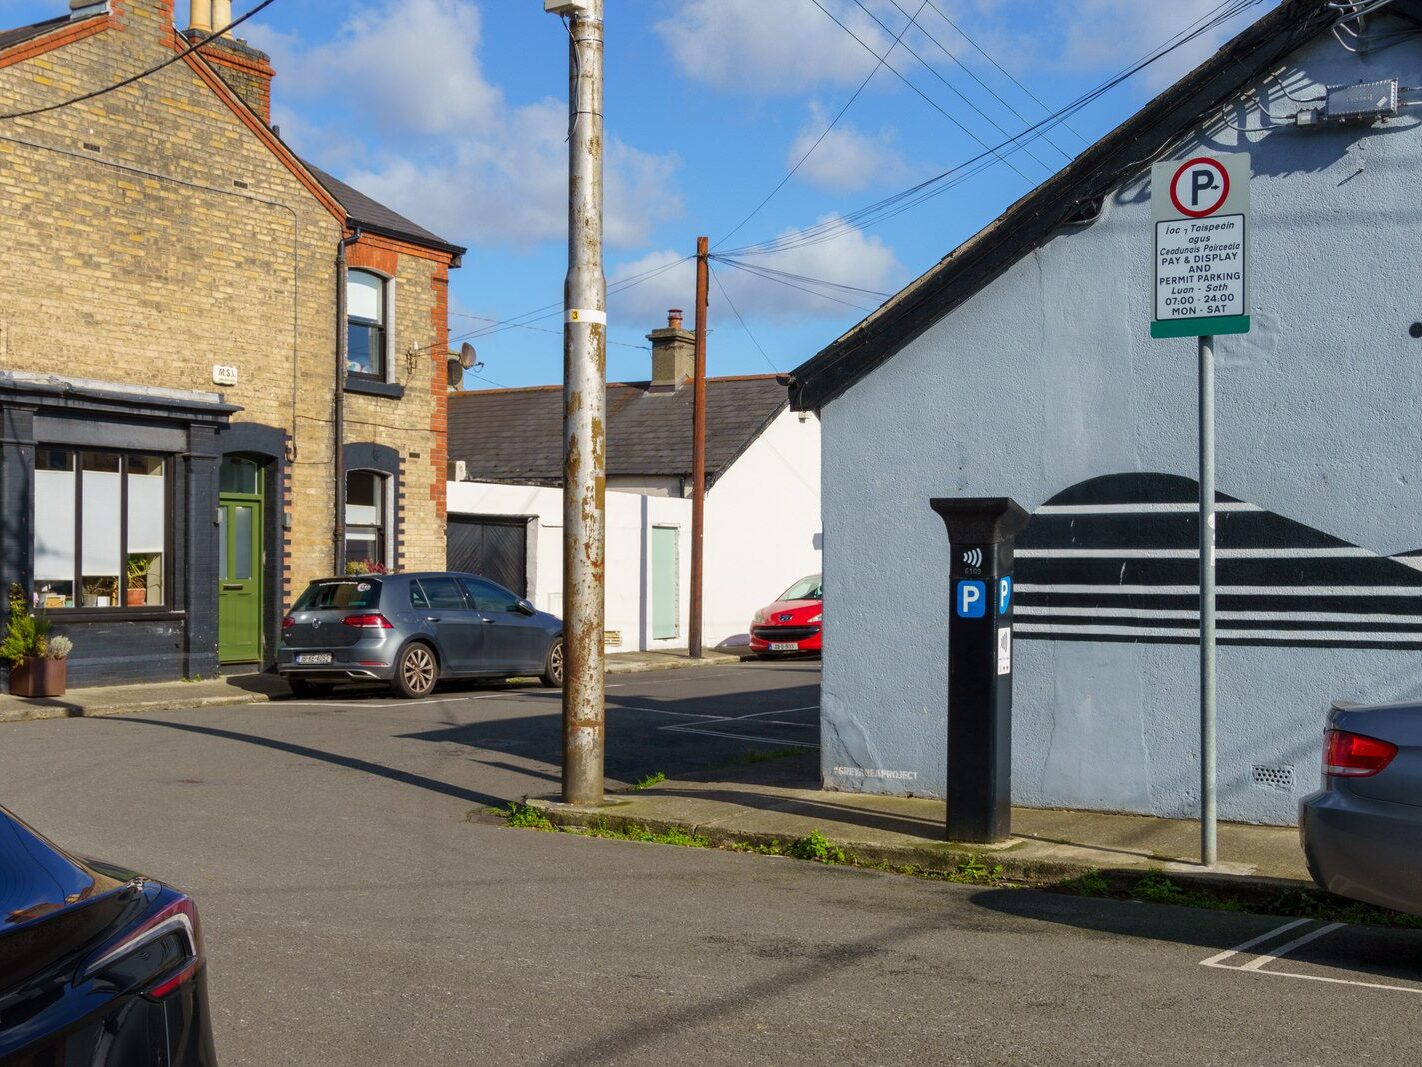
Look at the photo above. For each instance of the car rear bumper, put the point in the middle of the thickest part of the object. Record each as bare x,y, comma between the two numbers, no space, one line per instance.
365,660
1368,850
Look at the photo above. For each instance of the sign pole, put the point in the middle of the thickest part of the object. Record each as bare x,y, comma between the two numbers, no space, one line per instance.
1200,208
1208,853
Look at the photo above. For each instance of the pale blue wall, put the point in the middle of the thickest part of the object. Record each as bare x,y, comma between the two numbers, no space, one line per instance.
1049,377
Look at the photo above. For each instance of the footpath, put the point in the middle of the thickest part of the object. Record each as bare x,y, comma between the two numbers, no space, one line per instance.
767,806
256,688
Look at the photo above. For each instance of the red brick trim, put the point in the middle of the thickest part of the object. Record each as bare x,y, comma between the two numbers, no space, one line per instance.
366,255
439,386
404,248
38,46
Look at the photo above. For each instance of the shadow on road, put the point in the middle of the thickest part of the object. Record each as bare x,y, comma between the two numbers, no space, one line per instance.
394,774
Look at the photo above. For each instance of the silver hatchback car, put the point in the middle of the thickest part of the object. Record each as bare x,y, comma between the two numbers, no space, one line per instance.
1362,832
412,630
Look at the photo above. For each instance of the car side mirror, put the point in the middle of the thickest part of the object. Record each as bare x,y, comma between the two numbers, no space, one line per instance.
523,607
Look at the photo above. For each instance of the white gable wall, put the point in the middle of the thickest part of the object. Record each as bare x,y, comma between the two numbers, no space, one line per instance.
1049,377
762,526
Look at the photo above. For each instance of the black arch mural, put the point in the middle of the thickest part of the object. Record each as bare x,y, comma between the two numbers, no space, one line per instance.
1116,558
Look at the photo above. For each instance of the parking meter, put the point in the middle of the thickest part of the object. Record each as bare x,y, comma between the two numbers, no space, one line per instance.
981,532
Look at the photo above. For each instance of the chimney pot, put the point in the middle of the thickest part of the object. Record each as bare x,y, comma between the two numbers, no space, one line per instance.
674,319
221,15
200,16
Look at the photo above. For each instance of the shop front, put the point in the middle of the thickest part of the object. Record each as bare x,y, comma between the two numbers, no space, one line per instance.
109,500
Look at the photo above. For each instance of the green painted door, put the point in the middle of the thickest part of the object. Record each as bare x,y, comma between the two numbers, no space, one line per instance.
665,587
239,566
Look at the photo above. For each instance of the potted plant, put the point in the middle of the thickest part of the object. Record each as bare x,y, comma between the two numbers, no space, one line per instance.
38,662
365,566
99,592
139,568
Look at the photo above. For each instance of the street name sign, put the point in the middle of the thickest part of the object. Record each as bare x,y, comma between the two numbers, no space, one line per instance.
1200,208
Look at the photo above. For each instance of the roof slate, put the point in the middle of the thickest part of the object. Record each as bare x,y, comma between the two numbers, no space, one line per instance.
20,34
372,215
516,435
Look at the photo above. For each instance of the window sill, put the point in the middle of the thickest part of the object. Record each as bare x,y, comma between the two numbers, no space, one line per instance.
370,387
63,616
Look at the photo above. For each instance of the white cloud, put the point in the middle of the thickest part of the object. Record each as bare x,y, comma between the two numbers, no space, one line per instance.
772,46
847,160
854,258
455,154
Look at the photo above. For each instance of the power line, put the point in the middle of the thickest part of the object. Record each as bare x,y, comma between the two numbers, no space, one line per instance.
793,285
717,278
804,277
141,74
539,329
889,207
986,87
903,78
833,122
953,88
1005,72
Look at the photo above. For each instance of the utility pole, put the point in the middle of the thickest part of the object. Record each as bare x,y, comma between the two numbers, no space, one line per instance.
698,448
584,414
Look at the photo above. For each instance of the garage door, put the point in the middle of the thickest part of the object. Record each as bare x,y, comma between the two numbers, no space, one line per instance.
494,547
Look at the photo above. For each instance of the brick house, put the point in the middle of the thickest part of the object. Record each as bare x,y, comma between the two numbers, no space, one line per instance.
192,318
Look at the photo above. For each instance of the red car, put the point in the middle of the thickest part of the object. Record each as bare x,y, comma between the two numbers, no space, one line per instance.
792,623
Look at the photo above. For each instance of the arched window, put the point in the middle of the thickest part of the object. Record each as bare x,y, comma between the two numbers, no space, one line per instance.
365,325
368,518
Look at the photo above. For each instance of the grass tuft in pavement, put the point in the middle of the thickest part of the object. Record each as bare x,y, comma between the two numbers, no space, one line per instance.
653,779
524,817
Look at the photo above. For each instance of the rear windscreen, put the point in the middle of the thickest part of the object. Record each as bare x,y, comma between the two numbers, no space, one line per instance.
357,593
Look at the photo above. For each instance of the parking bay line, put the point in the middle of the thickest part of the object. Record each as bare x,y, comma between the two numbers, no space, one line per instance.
739,737
1257,965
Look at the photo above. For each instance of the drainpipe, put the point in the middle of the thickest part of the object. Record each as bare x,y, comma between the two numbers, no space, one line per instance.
338,430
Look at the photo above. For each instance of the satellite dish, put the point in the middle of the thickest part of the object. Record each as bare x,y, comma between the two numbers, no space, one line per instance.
456,374
467,356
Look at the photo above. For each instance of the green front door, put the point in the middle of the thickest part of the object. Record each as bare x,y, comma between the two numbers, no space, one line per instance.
239,564
666,614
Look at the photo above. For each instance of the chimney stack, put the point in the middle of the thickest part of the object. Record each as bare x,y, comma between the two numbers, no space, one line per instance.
247,72
673,354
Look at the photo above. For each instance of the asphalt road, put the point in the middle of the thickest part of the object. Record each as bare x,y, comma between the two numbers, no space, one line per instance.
359,908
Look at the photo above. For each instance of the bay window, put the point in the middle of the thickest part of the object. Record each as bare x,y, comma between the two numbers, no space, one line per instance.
100,529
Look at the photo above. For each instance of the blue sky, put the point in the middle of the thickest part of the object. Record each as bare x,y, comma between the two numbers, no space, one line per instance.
453,111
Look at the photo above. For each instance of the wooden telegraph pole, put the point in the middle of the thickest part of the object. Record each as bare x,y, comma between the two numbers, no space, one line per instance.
698,447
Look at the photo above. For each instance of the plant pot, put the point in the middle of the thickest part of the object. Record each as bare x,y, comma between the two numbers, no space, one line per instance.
137,596
39,676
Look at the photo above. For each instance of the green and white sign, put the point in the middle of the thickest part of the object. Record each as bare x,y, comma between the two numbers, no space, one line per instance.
1200,207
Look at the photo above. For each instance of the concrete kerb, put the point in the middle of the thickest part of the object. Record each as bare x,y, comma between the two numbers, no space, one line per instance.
1017,865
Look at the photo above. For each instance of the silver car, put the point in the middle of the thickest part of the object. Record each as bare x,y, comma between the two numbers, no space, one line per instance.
412,630
1362,832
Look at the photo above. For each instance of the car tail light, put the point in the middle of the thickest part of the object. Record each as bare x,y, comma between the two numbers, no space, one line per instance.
368,622
170,940
1350,755
287,623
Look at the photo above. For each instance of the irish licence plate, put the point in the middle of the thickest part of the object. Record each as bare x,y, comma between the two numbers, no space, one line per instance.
784,646
313,658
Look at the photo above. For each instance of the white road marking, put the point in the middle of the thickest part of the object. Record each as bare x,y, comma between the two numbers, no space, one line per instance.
1214,961
1296,943
679,714
1332,981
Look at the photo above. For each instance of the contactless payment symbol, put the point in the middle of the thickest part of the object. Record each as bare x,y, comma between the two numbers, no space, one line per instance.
971,598
1200,187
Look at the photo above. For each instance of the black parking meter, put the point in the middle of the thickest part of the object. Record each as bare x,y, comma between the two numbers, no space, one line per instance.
981,531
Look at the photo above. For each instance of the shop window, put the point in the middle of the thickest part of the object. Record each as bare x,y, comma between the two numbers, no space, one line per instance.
100,529
366,315
367,518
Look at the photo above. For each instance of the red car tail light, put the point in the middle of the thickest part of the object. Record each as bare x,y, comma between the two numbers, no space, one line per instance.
1350,755
178,921
367,622
287,623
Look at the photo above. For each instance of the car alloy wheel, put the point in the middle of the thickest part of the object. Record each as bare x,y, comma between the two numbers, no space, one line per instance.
553,674
417,671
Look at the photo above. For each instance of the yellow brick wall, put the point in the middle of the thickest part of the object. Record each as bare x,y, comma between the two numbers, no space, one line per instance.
221,255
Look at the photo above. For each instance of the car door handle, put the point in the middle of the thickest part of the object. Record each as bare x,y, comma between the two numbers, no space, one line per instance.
431,618
489,622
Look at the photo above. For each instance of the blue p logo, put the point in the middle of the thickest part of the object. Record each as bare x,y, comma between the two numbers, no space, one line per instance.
972,600
1004,595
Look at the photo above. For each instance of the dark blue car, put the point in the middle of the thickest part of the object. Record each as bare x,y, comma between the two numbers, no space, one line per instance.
411,630
98,965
